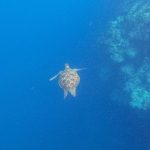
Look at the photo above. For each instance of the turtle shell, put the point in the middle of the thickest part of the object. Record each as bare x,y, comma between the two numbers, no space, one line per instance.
69,79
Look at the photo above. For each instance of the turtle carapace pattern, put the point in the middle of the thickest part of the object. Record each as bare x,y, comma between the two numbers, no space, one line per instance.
68,80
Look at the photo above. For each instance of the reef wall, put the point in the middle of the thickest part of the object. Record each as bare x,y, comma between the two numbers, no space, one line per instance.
128,42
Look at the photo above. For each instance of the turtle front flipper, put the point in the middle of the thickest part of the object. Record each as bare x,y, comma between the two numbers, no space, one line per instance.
54,77
79,69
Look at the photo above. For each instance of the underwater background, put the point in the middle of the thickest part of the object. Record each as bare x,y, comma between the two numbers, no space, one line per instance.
111,109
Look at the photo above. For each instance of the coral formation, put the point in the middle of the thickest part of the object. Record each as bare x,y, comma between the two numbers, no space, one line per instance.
128,41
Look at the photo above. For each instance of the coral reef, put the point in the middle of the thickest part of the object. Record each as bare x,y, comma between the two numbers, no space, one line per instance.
128,41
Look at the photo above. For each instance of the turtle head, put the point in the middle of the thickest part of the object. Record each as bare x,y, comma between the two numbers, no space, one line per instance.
67,66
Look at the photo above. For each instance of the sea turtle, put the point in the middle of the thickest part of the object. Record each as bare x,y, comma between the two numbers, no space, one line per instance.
68,80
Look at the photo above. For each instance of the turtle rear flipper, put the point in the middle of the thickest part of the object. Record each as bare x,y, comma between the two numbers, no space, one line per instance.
65,93
54,77
73,91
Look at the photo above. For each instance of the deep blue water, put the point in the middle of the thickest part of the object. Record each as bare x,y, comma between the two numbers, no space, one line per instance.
36,39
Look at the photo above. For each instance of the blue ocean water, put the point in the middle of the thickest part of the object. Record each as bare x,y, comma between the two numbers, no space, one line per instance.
36,39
